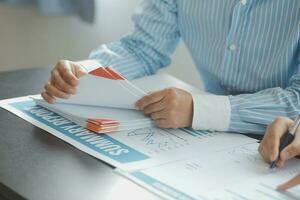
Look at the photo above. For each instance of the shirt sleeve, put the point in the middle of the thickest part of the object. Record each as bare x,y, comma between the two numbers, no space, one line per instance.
247,113
251,113
211,112
149,46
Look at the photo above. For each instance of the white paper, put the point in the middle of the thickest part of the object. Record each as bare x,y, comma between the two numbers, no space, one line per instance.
120,119
236,173
128,150
96,112
162,81
176,144
88,103
99,91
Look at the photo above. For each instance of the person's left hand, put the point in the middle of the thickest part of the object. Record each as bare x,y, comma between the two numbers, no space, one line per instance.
170,108
289,184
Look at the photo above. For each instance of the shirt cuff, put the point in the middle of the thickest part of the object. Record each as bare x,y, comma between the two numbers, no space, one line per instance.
89,65
211,112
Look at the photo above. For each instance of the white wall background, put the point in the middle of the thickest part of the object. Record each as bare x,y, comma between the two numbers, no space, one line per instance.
28,40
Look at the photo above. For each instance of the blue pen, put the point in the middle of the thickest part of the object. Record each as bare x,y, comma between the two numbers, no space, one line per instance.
287,139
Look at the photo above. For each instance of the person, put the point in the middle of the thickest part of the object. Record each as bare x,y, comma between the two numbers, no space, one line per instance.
246,51
269,147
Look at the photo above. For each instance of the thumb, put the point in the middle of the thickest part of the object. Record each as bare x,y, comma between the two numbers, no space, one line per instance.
80,72
77,69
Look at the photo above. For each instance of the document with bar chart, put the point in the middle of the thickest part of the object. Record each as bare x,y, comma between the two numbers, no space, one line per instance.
235,173
169,145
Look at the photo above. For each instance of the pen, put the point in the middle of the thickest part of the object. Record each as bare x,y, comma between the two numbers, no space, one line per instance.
287,139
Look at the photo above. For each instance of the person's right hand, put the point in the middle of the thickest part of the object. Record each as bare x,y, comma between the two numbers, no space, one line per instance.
63,81
269,146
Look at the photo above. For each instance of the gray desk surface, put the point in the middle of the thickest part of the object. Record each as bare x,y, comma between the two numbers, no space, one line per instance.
36,165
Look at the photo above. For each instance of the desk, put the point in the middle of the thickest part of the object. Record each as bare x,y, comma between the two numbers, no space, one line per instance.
38,166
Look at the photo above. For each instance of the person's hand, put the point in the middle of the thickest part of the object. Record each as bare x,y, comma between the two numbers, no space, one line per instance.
170,108
63,81
269,146
291,183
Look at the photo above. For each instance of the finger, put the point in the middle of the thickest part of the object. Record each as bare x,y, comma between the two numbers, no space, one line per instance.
158,115
149,99
274,133
67,74
47,97
280,163
162,123
291,183
290,151
263,153
53,91
273,145
78,69
59,83
155,107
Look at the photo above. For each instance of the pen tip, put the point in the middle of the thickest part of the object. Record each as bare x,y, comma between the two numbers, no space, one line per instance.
273,165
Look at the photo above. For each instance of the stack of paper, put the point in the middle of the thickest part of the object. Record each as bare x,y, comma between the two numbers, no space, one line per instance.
99,119
104,101
106,88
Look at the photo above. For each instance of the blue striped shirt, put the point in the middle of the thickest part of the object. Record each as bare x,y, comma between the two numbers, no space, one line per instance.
247,50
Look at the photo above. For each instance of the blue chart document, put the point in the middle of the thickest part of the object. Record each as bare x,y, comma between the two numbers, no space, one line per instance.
127,150
237,173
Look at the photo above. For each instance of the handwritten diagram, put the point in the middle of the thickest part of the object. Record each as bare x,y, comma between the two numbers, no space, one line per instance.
158,140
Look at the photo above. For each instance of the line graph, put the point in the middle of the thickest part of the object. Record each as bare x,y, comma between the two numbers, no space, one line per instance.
158,140
247,155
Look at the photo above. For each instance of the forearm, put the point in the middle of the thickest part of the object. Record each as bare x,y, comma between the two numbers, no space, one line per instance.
251,113
124,58
149,46
245,113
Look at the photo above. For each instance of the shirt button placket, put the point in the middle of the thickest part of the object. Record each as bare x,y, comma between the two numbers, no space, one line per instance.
232,47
